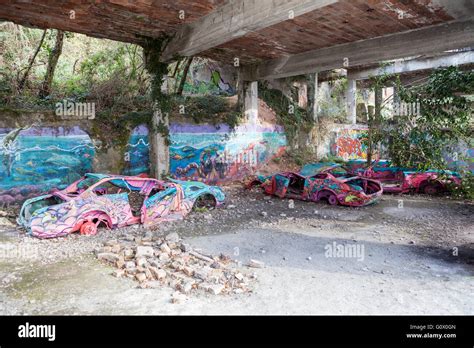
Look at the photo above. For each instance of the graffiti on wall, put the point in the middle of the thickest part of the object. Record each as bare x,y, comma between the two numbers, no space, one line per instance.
208,77
460,158
137,153
214,154
37,159
348,144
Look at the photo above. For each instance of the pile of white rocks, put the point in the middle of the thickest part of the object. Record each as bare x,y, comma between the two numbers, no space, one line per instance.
167,261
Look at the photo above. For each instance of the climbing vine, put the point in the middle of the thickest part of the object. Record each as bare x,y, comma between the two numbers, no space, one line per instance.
375,133
420,139
294,118
113,130
439,118
152,50
209,108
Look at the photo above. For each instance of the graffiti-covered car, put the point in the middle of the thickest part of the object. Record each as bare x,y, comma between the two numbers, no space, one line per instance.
114,201
404,180
320,182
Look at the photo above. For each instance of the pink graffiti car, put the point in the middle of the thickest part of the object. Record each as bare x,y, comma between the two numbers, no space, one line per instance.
113,201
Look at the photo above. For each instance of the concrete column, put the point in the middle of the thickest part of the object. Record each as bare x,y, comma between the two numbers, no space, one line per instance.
314,97
313,137
302,94
239,86
251,102
351,101
159,145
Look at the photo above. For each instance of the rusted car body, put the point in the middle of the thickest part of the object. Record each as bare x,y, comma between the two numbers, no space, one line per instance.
322,182
404,180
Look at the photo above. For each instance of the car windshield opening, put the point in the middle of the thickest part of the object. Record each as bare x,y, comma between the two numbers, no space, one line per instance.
296,184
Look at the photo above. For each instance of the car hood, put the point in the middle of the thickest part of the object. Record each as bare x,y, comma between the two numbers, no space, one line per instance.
36,204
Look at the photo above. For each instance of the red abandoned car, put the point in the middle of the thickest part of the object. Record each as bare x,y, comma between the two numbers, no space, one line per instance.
320,182
405,180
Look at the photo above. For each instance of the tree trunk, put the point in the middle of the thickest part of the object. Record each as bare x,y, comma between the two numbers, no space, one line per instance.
183,78
52,62
21,84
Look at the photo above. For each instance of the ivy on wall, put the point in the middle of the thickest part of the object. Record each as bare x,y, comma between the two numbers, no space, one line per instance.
293,118
418,139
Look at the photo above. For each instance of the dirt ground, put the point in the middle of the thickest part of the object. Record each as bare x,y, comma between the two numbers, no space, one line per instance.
410,255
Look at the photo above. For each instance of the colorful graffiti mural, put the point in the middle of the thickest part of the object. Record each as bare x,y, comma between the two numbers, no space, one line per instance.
208,77
348,144
38,159
137,154
215,154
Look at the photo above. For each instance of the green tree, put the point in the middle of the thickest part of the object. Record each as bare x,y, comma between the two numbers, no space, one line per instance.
420,139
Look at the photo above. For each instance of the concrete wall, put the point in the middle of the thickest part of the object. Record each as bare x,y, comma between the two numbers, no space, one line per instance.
206,76
346,141
51,153
37,158
215,154
137,153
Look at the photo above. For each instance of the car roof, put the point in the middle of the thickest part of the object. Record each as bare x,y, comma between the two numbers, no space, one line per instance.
118,180
311,169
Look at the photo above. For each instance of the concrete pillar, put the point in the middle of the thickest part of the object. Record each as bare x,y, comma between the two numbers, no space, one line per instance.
239,86
302,94
159,145
314,96
251,102
351,101
314,135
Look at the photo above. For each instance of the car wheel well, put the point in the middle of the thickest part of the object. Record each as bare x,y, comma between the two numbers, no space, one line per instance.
205,200
438,186
100,218
324,194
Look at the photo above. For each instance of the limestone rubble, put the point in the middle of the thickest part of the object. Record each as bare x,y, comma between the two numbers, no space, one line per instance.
167,261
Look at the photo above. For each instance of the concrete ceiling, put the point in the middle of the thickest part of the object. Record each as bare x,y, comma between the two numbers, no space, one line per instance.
255,31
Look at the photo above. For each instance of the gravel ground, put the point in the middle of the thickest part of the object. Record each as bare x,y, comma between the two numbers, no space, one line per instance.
404,255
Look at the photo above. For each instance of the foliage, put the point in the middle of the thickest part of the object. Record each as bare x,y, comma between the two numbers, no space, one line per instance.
200,209
466,189
289,114
334,107
301,156
209,108
152,52
158,70
106,72
114,129
421,139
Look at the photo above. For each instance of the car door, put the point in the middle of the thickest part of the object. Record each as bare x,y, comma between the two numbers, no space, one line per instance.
162,205
280,185
114,203
316,183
